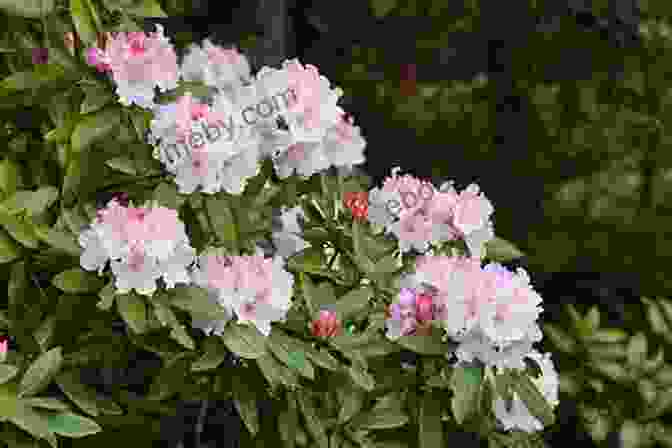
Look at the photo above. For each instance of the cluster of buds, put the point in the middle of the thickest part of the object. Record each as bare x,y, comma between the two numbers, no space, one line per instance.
96,56
326,325
411,315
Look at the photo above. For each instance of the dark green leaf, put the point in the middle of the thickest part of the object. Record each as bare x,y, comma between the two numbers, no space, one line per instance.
215,354
290,353
33,423
106,295
7,372
533,399
166,194
426,345
53,404
245,341
352,302
380,419
122,164
465,385
33,202
96,98
313,422
246,404
77,281
195,300
224,225
21,230
502,251
288,421
58,239
430,433
276,373
361,377
41,372
83,21
9,250
10,176
94,127
32,9
133,310
351,400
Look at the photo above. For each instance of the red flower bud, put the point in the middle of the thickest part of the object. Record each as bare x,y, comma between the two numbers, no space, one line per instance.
424,307
408,83
326,325
357,202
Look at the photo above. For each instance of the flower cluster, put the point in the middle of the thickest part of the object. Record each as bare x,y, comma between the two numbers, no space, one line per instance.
138,63
142,244
418,214
255,289
411,315
358,204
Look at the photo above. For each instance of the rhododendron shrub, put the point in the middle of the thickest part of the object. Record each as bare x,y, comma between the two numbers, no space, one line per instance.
248,247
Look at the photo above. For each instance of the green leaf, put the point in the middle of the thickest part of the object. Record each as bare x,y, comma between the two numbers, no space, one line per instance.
167,195
42,76
360,257
592,318
313,422
352,302
95,127
33,423
32,9
380,419
609,335
21,230
465,393
561,339
195,300
215,354
351,400
10,176
533,399
245,401
169,380
9,250
502,251
631,434
122,164
96,97
106,295
53,404
661,405
133,310
425,345
654,316
77,281
7,372
361,377
58,239
33,202
430,433
223,221
41,372
82,18
166,316
290,353
146,8
610,352
381,8
72,425
637,350
276,373
44,334
245,341
666,307
322,358
288,421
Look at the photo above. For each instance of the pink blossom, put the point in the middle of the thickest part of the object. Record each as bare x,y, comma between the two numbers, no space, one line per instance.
424,307
306,84
472,210
220,55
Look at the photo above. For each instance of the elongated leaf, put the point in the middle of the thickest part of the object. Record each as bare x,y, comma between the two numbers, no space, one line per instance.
146,8
380,419
32,9
465,388
533,399
84,397
21,230
10,176
609,335
107,295
123,164
276,373
360,258
167,195
133,310
288,422
313,422
352,302
41,372
632,434
245,341
245,401
612,370
215,354
9,250
290,353
169,380
33,202
53,404
33,423
94,127
77,281
72,425
561,339
166,317
429,419
502,251
352,400
7,372
637,350
223,222
195,300
83,21
426,345
361,377
59,240
661,405
96,97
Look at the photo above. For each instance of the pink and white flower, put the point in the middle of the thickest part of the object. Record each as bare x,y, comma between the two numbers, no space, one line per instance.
142,244
139,63
215,66
258,290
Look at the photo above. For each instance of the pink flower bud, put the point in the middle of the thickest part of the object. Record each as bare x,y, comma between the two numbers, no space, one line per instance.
424,307
326,325
40,56
4,342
